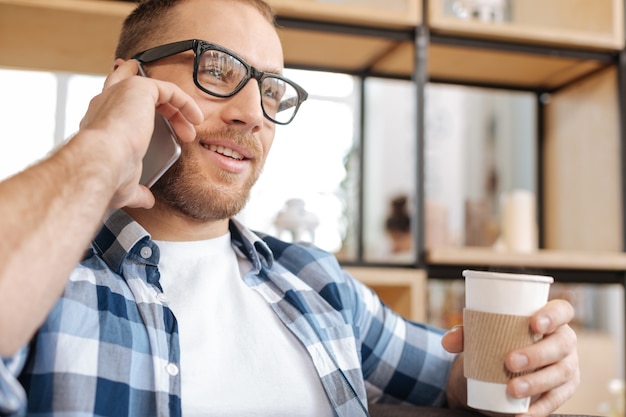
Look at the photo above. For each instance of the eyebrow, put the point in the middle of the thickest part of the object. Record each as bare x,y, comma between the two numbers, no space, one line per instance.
270,70
273,71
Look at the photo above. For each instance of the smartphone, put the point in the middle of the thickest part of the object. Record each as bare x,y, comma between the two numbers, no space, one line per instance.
163,150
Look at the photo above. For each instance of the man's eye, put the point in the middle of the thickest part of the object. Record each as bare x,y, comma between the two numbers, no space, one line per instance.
211,71
220,67
271,93
273,89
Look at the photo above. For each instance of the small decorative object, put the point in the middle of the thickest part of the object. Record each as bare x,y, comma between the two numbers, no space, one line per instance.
519,231
297,221
398,225
483,10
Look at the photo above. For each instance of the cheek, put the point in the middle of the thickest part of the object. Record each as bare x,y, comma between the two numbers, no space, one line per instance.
209,105
267,139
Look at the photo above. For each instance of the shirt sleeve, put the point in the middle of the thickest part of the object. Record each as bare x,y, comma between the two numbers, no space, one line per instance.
402,361
12,395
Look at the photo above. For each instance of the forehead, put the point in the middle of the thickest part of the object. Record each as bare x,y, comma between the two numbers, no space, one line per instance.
233,24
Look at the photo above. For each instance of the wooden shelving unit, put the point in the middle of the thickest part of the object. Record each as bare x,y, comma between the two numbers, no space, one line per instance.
567,58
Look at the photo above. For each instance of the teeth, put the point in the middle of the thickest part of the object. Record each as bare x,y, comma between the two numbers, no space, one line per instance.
226,151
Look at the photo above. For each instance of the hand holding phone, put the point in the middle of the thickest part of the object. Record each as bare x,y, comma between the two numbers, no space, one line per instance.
163,149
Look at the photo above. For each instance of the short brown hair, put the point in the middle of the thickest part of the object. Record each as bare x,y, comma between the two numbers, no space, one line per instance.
152,17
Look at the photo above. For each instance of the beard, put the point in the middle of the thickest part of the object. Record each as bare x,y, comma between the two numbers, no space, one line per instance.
189,190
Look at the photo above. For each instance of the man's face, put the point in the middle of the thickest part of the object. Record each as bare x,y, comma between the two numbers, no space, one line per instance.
212,179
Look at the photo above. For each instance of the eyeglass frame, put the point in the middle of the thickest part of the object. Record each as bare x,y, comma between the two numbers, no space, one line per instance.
199,46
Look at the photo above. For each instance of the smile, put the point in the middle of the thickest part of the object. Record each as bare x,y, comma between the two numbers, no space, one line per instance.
225,151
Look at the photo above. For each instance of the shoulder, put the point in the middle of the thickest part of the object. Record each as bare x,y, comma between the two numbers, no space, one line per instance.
307,261
317,269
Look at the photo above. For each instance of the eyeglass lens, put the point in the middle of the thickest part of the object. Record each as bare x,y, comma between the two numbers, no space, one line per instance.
223,74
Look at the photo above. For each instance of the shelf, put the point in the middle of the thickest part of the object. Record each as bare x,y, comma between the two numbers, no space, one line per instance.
585,24
308,45
451,56
76,36
363,38
352,36
398,14
468,61
564,266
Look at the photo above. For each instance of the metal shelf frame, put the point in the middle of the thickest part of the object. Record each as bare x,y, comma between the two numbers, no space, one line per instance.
422,38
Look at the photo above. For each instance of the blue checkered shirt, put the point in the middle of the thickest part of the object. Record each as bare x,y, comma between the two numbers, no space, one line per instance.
110,345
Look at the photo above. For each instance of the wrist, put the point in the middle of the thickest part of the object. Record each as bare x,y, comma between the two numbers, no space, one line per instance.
456,391
87,160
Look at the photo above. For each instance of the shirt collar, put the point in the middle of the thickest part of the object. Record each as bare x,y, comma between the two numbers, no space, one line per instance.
122,237
251,245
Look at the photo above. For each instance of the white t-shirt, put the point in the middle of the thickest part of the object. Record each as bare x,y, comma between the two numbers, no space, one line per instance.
237,357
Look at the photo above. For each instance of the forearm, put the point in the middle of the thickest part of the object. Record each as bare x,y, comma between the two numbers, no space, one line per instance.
48,215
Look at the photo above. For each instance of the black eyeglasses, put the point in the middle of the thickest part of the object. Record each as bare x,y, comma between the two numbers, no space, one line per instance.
222,73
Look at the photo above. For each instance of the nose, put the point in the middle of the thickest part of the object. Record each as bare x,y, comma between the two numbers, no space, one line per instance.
244,108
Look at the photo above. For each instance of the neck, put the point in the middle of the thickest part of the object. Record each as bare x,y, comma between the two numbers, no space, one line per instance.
165,224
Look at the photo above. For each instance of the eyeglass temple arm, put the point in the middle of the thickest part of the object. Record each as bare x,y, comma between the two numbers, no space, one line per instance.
164,51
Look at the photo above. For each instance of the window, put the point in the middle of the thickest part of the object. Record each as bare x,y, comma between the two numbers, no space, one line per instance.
308,166
28,118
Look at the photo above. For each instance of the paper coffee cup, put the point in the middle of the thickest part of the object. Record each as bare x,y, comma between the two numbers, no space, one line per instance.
496,321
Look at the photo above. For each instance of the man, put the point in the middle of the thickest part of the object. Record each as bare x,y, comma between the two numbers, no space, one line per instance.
181,309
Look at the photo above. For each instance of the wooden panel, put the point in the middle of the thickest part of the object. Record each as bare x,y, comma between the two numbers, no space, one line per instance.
585,16
594,24
399,61
80,36
555,259
381,13
582,202
305,48
403,289
500,67
64,35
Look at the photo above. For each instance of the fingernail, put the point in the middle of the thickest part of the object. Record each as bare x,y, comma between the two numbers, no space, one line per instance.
518,362
521,389
455,328
543,323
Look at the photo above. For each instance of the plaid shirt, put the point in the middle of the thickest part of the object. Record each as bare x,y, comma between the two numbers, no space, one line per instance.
110,345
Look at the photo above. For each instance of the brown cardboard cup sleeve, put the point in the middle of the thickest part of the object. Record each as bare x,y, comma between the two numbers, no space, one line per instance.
487,338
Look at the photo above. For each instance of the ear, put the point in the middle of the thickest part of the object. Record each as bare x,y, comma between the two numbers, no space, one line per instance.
117,63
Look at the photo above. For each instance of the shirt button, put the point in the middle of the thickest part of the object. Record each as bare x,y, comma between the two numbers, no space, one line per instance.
146,252
162,297
171,369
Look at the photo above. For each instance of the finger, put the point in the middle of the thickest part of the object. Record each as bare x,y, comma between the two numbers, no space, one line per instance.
550,387
140,197
185,130
172,102
551,349
145,198
546,379
180,109
452,341
122,70
553,315
551,401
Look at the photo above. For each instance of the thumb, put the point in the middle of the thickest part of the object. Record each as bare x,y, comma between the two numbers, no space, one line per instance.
452,341
143,198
